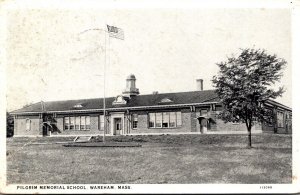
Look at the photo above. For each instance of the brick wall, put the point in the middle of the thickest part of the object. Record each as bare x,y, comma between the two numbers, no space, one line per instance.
222,126
94,122
194,122
20,126
267,127
189,124
229,126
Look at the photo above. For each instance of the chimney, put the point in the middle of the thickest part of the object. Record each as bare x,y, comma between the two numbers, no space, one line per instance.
199,84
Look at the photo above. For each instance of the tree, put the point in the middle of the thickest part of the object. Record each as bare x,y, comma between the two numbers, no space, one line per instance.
244,83
9,125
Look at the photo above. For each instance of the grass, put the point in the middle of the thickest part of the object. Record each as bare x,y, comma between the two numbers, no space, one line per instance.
162,159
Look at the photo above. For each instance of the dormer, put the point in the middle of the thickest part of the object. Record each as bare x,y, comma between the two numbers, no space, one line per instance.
78,106
165,101
120,100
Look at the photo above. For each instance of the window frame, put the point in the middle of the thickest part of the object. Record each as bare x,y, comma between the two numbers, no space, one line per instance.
84,123
280,123
134,122
202,110
66,124
27,124
87,123
77,124
164,117
101,122
72,124
149,120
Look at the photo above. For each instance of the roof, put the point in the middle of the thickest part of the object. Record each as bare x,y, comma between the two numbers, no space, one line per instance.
274,103
131,76
149,100
142,101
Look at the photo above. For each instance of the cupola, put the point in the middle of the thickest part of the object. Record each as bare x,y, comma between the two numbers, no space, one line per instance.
131,89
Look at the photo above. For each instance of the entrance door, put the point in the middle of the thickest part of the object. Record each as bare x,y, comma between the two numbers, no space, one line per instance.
45,130
117,126
203,125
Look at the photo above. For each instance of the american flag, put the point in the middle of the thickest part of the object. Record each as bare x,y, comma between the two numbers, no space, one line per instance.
115,32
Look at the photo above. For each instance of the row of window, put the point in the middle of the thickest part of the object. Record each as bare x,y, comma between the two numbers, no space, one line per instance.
156,120
77,123
134,121
165,120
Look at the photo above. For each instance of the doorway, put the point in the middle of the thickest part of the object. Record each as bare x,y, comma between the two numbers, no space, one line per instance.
117,126
204,124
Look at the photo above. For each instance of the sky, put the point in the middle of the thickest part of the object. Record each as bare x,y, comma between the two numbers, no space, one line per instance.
48,58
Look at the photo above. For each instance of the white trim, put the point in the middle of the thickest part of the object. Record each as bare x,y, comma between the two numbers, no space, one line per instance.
112,123
121,108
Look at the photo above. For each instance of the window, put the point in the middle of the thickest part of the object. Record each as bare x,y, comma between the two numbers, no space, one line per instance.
119,99
82,122
172,119
134,121
178,119
66,123
28,124
77,123
289,116
269,118
101,122
88,122
166,100
270,121
72,120
152,120
78,106
158,120
165,120
203,112
280,119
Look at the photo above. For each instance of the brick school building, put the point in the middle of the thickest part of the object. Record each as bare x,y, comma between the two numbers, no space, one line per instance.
194,112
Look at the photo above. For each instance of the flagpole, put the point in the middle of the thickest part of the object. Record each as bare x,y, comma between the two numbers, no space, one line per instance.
104,103
116,33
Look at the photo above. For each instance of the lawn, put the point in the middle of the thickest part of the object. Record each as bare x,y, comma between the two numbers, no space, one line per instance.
186,159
